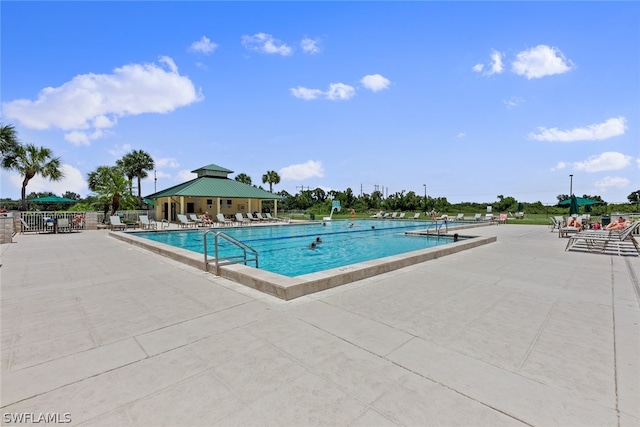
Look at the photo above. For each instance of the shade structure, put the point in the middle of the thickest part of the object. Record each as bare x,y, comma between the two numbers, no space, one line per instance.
52,199
582,201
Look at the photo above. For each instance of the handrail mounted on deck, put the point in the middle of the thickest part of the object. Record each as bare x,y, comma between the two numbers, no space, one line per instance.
229,260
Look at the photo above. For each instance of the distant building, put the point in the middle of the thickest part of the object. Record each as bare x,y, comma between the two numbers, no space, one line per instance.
213,192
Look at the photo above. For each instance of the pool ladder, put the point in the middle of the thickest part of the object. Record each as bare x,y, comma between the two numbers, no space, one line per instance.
237,259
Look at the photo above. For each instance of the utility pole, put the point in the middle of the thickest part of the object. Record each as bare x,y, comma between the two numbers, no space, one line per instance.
571,186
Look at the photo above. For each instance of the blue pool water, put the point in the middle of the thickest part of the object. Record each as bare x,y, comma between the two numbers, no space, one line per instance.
286,249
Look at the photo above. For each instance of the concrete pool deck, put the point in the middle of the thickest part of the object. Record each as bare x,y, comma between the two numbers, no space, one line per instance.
517,332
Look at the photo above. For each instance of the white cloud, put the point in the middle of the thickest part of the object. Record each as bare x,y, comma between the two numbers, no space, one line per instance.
90,103
541,61
310,46
612,182
336,91
495,65
512,102
302,171
265,43
375,82
607,161
185,175
204,45
559,166
340,91
72,181
166,162
599,131
305,93
461,135
119,151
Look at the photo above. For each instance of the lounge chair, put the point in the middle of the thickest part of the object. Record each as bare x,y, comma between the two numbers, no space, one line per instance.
241,219
556,222
416,215
394,215
377,215
184,222
268,215
502,219
222,220
477,217
567,229
599,240
64,225
116,224
459,217
146,223
193,217
401,216
261,218
385,216
489,217
25,228
251,217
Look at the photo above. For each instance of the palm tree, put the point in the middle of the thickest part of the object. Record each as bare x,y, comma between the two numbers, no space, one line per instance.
30,161
243,178
110,185
271,177
8,142
127,167
138,162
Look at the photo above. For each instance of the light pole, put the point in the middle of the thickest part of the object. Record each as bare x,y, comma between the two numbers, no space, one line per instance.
571,185
425,198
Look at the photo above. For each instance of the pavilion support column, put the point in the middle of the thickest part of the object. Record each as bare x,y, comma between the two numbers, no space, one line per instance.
275,207
218,205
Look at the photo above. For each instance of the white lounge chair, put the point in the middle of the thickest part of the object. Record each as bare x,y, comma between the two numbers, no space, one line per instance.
261,218
193,217
416,215
477,217
599,240
184,222
222,220
251,217
459,217
241,219
146,223
268,215
116,224
64,225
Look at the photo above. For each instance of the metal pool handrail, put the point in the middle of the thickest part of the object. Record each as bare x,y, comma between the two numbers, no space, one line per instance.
230,260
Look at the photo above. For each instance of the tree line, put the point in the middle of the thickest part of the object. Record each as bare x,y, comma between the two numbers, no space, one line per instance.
112,187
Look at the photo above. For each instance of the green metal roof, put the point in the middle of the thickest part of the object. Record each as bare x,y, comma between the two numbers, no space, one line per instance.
212,168
207,186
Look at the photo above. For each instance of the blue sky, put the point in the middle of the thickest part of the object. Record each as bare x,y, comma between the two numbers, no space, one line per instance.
473,99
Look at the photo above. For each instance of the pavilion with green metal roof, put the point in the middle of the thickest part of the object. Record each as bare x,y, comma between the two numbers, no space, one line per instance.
213,192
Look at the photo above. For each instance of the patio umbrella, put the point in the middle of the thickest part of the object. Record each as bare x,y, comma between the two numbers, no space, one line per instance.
149,202
582,201
573,205
52,199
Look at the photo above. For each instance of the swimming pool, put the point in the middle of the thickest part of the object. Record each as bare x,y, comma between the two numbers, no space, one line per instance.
286,250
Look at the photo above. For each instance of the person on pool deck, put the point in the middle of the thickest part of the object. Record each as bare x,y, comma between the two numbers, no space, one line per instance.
206,219
617,225
575,222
